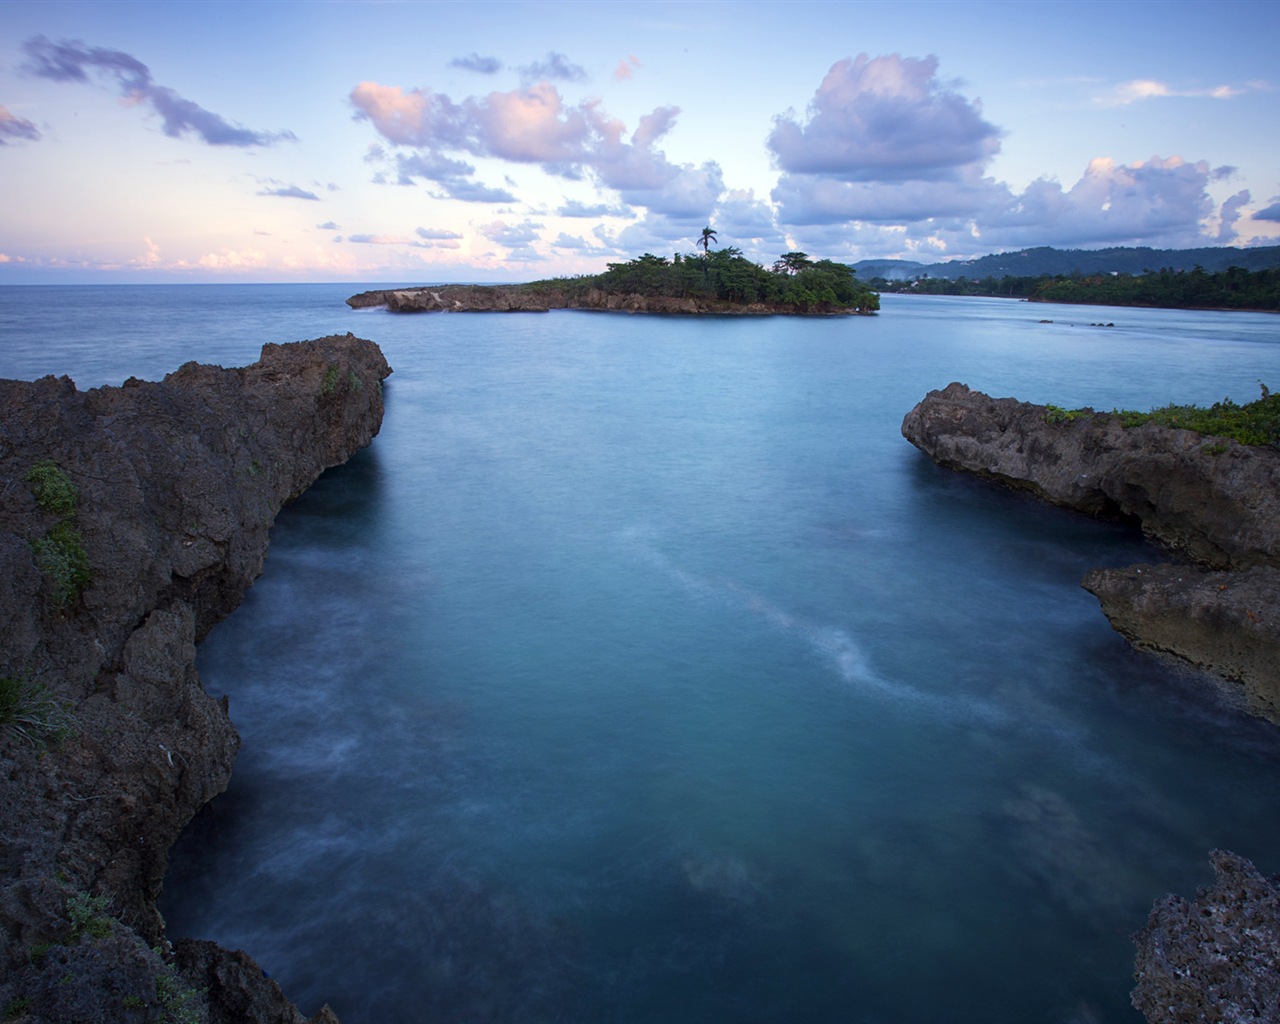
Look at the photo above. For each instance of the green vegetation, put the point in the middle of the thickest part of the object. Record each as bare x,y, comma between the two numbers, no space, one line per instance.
60,553
1257,423
52,488
30,712
61,556
330,383
88,916
181,1002
1233,288
795,284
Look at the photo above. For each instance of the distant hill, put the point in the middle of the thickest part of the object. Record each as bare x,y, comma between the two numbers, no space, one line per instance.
1047,260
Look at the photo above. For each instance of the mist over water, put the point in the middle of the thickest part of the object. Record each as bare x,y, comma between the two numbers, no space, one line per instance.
641,671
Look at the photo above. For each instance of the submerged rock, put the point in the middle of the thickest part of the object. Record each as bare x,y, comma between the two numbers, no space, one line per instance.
1213,500
132,519
1216,958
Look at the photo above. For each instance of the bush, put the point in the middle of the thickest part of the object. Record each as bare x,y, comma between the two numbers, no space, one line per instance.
53,490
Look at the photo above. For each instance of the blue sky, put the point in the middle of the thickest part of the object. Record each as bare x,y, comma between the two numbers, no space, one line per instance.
383,141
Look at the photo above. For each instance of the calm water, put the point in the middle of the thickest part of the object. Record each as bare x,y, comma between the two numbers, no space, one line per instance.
640,671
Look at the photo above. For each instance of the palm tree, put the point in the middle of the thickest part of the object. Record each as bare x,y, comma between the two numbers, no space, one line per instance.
708,236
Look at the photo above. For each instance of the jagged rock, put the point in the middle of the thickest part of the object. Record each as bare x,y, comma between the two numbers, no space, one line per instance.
1214,499
175,485
1227,622
1216,959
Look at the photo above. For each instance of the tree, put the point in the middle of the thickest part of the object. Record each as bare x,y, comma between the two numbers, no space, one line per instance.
792,263
708,236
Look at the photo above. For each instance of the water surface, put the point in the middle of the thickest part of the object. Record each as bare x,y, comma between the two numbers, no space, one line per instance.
641,671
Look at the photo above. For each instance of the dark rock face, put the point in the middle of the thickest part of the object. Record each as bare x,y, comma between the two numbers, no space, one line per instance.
1213,499
1216,959
1226,622
175,485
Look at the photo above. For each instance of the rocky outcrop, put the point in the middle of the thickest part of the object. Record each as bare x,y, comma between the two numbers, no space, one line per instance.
1215,959
1212,500
132,519
1224,622
520,299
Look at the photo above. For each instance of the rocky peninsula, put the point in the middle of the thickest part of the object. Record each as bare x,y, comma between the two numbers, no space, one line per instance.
132,519
1214,505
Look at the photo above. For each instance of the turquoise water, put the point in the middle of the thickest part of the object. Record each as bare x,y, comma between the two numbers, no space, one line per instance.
641,671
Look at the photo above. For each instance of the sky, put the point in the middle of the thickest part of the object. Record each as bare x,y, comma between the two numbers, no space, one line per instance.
403,142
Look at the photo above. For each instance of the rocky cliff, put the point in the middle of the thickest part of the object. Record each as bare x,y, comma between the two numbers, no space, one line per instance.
132,519
519,299
1215,502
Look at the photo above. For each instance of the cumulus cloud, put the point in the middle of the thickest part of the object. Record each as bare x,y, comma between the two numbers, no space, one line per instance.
289,192
884,119
534,125
888,158
328,226
72,61
14,127
626,68
474,62
556,68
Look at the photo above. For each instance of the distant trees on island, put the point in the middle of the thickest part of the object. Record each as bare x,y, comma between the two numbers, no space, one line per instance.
1233,288
794,282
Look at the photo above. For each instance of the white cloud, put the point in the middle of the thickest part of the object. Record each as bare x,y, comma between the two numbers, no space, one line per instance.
534,125
884,119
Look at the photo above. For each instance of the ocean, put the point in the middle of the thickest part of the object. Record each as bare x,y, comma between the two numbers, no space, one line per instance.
641,671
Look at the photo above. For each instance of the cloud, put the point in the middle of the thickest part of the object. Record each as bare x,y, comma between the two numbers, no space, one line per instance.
556,68
626,68
884,119
1269,213
233,259
14,127
1230,214
513,236
289,192
436,234
1139,89
328,226
474,62
70,61
534,125
889,158
378,240
573,208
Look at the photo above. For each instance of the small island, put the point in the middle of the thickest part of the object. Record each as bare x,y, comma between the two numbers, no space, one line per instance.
714,282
